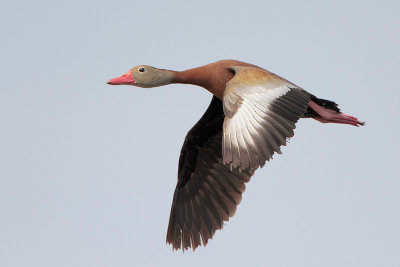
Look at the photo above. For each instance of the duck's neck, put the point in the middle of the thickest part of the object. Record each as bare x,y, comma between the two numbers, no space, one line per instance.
197,76
213,80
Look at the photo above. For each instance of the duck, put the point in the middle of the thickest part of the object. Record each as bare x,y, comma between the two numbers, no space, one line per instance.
252,114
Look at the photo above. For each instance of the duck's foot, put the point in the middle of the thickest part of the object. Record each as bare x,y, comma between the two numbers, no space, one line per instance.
332,116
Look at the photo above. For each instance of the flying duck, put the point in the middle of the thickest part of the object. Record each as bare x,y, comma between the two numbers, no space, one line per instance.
251,115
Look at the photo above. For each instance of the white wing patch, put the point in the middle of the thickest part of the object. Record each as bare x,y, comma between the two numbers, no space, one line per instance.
258,120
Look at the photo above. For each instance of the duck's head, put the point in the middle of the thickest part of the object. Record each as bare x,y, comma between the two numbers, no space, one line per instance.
144,76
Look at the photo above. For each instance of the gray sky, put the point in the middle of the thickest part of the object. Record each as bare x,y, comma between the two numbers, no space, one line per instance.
87,171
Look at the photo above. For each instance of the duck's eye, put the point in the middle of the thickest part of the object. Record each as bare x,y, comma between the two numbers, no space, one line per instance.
141,69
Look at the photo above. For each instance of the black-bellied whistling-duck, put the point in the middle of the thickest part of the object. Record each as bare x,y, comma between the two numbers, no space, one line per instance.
252,113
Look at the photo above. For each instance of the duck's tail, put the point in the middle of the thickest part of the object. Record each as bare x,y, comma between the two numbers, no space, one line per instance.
310,113
327,111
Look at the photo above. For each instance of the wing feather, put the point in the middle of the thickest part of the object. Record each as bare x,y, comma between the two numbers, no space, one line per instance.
208,191
261,110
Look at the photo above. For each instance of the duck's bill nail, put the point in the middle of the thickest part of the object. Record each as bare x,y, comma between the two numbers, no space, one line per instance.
127,78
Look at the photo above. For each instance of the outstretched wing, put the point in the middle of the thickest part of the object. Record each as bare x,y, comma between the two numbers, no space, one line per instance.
208,191
261,110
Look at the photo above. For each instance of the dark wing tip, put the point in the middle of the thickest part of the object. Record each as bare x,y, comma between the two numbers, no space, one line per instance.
201,207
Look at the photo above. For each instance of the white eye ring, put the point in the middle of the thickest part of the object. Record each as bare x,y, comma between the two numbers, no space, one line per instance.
141,69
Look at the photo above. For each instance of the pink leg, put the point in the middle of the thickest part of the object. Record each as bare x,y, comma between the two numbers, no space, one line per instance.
331,116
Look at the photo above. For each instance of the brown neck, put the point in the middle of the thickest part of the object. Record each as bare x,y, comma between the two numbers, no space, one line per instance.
196,76
212,77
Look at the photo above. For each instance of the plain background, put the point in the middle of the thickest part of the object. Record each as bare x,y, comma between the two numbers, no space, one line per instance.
87,170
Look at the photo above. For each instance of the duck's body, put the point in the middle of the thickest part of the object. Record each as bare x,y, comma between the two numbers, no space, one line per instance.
251,115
